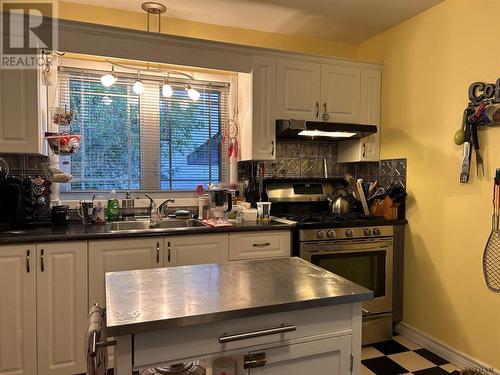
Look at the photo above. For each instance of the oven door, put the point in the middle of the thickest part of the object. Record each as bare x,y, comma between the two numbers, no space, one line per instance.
365,262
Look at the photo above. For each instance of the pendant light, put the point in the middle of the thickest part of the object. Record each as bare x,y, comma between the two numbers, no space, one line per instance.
109,79
166,89
192,93
138,86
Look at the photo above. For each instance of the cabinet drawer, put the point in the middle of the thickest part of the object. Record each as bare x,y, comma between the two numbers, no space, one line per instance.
272,244
184,343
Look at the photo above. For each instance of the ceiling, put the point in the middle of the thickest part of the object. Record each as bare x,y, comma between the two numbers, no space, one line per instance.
350,21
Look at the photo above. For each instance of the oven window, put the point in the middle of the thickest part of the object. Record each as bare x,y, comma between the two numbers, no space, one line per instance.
366,269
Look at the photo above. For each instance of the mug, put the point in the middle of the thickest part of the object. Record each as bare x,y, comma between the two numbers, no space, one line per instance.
85,211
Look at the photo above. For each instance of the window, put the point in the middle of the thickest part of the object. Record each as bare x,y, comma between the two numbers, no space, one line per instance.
143,142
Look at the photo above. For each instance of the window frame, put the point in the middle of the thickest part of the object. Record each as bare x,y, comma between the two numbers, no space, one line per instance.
64,193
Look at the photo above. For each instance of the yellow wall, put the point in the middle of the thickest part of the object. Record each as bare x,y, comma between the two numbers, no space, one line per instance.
173,26
428,63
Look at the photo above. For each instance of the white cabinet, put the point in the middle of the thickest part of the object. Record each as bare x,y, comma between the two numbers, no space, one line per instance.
61,307
199,249
329,356
23,112
340,94
298,89
17,310
252,245
120,255
258,115
365,149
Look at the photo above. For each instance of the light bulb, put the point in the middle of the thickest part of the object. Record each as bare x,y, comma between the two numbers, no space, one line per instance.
166,90
192,93
138,87
108,80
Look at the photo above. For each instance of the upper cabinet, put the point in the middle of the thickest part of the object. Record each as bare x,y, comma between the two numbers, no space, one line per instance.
340,94
257,110
298,93
23,112
365,149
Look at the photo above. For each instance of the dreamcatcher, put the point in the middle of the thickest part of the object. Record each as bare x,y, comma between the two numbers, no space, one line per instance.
231,135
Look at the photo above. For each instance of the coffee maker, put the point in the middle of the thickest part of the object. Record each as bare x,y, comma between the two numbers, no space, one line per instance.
221,202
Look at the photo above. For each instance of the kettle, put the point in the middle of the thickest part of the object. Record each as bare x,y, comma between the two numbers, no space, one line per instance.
339,204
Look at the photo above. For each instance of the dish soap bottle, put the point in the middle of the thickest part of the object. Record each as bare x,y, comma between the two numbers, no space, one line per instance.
113,207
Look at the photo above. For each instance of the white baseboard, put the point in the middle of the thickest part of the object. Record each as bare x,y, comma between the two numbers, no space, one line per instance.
452,355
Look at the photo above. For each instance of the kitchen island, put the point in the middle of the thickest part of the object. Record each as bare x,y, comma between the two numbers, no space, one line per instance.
276,316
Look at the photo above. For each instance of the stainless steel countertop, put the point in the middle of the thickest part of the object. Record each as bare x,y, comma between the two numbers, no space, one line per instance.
155,299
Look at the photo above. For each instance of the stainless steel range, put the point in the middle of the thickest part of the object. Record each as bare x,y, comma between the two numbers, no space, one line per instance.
349,245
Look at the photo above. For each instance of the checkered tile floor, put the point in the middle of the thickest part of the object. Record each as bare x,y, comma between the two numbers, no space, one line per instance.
402,356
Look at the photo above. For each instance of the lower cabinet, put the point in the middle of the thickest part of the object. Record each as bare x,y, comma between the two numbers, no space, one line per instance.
120,255
17,310
43,308
329,356
61,307
199,249
250,245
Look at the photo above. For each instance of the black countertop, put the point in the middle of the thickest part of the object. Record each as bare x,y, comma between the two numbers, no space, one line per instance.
74,232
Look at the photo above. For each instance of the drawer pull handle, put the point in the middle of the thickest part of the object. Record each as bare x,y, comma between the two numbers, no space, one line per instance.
28,261
42,263
264,332
261,244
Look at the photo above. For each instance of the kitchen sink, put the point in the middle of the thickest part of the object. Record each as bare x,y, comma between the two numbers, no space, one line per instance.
121,226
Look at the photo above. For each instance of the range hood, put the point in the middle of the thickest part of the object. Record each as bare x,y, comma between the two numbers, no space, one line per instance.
321,131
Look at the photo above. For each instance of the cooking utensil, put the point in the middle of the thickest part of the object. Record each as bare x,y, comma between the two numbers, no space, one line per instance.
466,153
352,183
479,158
491,256
362,197
459,137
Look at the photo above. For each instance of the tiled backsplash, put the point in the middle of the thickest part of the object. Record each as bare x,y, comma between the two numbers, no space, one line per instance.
306,159
25,165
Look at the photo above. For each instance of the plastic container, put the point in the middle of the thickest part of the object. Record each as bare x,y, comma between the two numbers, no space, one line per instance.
264,210
249,215
113,207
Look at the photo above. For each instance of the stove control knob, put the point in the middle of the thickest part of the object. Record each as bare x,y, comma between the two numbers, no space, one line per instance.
349,233
321,234
331,234
368,232
376,231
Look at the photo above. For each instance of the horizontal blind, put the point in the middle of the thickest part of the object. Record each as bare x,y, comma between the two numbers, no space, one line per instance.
144,142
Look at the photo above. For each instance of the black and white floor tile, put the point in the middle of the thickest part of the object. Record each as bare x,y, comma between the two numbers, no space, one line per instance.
402,356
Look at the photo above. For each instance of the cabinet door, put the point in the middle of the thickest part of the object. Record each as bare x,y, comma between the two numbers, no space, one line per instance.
119,255
370,113
22,111
298,90
17,310
199,249
251,245
340,93
264,108
61,307
328,356
367,148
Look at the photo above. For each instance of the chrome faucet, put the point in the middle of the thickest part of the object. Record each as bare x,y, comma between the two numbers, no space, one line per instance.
164,205
161,208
